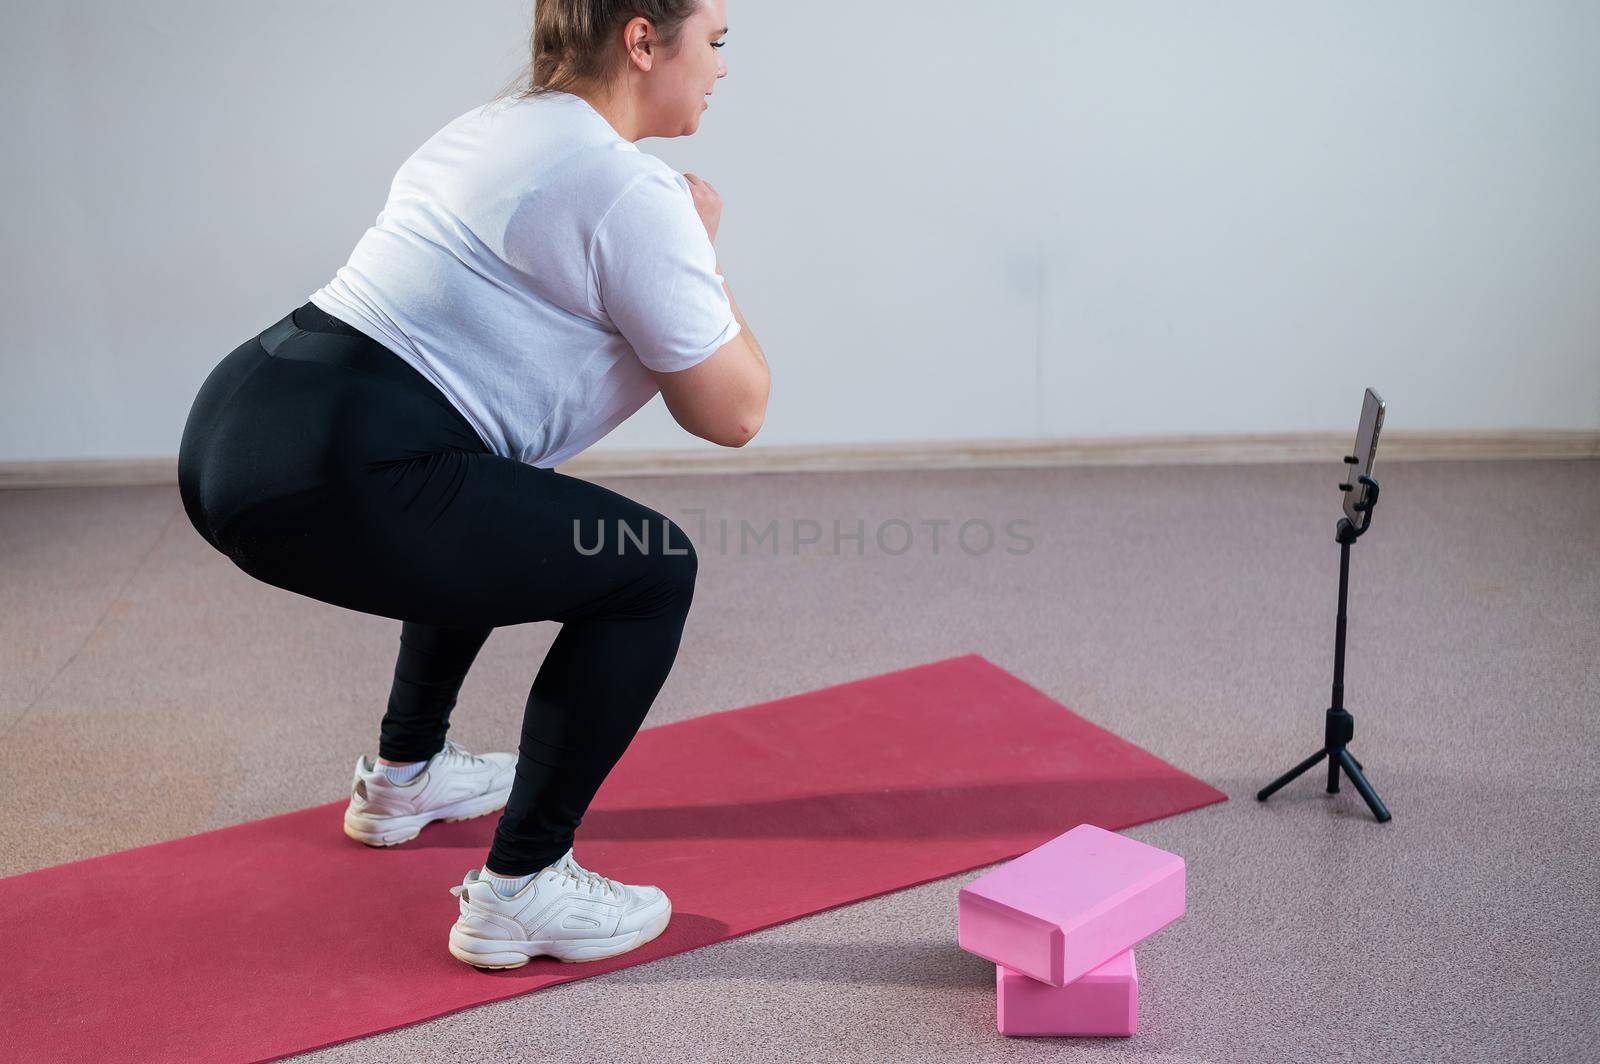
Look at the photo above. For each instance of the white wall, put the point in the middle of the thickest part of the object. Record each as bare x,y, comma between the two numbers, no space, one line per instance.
943,220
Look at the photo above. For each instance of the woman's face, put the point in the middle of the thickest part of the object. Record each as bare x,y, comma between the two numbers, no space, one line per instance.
682,81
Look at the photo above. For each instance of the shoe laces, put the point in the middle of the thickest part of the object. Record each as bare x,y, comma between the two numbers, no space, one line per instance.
586,879
454,751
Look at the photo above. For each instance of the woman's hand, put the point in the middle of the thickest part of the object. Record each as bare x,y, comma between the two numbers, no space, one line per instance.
708,203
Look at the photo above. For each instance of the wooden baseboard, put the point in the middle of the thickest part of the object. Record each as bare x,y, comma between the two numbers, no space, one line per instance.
1397,445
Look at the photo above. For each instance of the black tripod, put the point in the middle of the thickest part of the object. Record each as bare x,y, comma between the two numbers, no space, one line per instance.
1341,726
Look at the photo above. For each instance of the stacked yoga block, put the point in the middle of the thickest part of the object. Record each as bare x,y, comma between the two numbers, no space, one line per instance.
1060,922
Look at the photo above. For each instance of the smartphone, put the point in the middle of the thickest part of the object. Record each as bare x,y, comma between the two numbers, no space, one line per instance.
1372,407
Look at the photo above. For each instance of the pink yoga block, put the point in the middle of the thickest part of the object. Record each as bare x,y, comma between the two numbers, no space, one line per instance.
1069,906
1102,1002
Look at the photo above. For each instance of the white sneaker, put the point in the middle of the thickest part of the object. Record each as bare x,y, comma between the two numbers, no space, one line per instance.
456,785
565,912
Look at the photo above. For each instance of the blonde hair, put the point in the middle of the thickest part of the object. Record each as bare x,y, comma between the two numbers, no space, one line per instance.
573,41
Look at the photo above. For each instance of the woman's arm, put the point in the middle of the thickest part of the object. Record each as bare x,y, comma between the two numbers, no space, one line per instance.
723,398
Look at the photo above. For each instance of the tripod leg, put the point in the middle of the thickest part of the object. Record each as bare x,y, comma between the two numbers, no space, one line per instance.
1353,770
1264,792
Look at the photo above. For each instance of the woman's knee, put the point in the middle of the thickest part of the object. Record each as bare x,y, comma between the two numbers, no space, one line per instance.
645,540
677,563
670,567
640,562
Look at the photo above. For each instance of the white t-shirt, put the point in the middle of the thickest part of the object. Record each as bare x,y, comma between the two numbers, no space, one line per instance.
531,262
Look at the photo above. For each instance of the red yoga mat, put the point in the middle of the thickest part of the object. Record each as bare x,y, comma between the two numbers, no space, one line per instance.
257,941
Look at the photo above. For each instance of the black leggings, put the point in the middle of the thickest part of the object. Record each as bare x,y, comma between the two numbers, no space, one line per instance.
322,463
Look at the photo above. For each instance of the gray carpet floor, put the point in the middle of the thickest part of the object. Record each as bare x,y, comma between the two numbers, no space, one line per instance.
149,690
